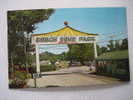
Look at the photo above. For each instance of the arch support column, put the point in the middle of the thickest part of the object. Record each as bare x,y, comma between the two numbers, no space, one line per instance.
95,49
37,59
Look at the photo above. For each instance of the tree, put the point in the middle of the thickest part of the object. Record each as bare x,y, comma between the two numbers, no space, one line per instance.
124,44
80,52
50,56
111,45
117,45
101,50
20,24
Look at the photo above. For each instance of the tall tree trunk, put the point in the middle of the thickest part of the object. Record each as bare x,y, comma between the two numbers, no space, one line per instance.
12,66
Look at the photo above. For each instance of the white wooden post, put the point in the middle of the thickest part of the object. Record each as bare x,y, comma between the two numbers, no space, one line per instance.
37,59
95,49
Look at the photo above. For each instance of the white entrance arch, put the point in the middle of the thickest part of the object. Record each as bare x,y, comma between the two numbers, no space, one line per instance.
66,35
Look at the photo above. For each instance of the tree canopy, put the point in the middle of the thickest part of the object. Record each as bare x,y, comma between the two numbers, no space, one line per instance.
20,24
81,52
114,45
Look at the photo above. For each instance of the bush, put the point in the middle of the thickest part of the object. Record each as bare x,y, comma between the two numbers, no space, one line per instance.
17,84
62,64
121,72
118,69
20,75
32,69
19,80
45,68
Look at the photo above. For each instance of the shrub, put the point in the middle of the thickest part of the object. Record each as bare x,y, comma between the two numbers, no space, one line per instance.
32,69
62,64
45,68
118,69
19,80
121,72
20,75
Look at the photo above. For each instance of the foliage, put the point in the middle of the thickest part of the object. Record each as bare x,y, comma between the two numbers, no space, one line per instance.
62,64
17,84
80,52
20,75
45,68
101,50
118,69
53,57
49,56
111,45
25,20
19,80
123,54
32,69
114,45
21,24
124,44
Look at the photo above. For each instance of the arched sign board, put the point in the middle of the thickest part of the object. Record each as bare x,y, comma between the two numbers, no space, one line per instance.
66,35
62,40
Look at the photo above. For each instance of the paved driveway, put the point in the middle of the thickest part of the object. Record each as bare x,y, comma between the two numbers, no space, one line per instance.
80,69
76,76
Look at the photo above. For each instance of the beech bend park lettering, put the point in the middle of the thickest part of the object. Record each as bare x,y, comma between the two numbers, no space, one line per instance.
64,39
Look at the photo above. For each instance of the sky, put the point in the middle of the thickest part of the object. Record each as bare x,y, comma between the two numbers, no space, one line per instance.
103,21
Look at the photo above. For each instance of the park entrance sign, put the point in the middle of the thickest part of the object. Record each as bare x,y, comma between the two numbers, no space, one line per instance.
63,40
66,35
